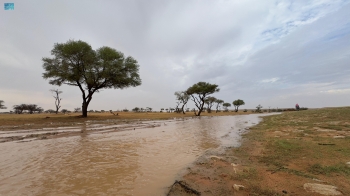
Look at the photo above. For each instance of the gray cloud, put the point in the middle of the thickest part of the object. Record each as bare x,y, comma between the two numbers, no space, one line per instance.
272,53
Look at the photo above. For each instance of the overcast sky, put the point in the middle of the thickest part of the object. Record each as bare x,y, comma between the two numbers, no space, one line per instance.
275,53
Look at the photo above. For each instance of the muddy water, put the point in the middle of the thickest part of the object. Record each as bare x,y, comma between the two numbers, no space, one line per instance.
136,161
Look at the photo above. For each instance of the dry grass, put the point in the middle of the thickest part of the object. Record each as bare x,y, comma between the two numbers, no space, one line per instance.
294,148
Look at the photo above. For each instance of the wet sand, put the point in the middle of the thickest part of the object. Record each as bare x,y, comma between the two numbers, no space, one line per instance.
137,158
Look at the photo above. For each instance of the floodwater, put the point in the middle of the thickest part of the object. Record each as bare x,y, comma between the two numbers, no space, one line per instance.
135,160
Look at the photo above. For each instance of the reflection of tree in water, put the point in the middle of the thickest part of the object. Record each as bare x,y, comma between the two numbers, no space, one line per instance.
205,135
89,164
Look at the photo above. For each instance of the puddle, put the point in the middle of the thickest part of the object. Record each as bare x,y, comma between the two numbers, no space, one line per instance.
144,161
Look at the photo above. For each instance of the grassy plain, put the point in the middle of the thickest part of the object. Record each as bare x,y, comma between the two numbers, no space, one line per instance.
280,154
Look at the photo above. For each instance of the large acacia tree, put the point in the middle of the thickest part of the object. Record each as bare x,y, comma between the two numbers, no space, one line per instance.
199,92
75,63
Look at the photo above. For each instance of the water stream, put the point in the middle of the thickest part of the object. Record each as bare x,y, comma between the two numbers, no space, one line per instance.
141,160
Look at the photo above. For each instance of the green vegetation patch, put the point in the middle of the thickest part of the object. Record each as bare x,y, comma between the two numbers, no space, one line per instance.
340,168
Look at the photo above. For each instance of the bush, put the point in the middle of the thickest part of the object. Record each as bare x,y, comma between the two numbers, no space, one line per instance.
245,110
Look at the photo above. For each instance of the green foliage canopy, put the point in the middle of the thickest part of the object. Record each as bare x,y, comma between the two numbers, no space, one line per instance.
237,103
75,63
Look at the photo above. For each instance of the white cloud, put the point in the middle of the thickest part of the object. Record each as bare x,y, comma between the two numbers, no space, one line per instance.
337,91
271,80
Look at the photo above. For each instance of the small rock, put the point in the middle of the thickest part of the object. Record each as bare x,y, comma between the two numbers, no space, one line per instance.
238,187
322,189
215,157
234,165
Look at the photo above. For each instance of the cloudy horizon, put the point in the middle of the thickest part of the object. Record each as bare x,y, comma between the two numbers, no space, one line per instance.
274,53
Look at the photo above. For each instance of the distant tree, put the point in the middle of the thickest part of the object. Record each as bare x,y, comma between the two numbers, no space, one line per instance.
75,63
20,108
57,98
182,97
162,109
31,108
199,92
258,108
2,106
91,110
77,109
149,109
64,111
237,103
210,102
167,110
125,110
39,109
50,111
226,105
187,109
218,103
171,109
136,109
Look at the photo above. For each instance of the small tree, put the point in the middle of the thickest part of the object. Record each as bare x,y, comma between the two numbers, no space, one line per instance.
237,103
20,108
202,90
57,98
210,102
64,111
258,108
136,109
77,110
39,109
182,98
2,106
162,109
50,111
218,103
226,105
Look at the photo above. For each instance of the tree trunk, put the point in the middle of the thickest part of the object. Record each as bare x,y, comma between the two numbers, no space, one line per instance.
84,109
182,108
200,109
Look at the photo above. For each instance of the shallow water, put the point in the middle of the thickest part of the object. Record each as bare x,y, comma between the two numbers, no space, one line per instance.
144,161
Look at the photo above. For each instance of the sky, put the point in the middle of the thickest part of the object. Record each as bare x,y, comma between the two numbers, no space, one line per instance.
275,53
